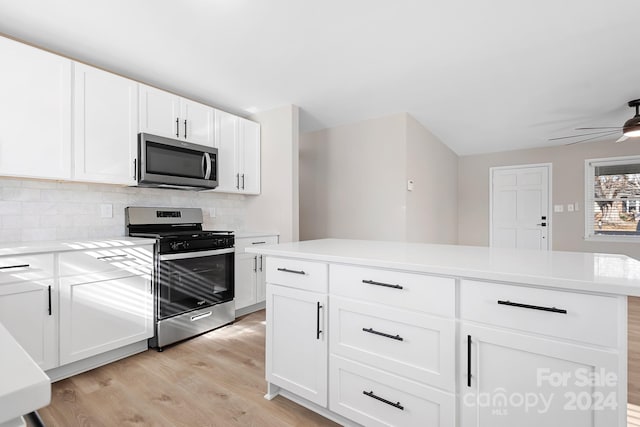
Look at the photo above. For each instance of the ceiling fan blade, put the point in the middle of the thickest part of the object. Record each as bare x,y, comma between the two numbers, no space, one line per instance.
582,134
622,138
601,127
594,137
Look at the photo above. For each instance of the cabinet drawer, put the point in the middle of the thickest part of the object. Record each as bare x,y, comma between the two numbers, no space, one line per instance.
252,242
26,268
575,316
420,292
295,273
375,398
136,260
413,345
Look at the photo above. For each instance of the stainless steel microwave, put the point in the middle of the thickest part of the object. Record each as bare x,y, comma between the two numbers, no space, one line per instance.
170,163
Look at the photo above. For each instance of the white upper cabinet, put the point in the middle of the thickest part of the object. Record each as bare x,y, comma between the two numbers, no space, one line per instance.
165,114
35,106
238,143
105,126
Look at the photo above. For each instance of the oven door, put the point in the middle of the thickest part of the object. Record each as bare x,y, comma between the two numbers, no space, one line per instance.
191,280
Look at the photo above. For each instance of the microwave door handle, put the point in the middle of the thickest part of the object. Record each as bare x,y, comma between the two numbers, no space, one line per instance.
203,164
207,158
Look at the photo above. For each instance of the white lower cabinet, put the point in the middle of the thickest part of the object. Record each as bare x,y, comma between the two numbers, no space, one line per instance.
26,311
513,379
108,305
250,280
373,397
296,348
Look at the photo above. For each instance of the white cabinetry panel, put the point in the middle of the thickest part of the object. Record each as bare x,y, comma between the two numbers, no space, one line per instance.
35,106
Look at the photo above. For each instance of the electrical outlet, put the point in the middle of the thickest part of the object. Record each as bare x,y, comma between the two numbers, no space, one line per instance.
558,208
106,210
410,185
570,207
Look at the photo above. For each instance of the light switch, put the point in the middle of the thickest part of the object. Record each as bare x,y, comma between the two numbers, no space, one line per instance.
410,185
570,207
558,208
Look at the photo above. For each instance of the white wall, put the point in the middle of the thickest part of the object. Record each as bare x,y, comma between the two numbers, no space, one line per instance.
567,187
432,207
276,208
353,182
47,210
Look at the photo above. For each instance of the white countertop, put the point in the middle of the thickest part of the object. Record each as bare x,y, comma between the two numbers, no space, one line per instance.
601,273
25,248
24,387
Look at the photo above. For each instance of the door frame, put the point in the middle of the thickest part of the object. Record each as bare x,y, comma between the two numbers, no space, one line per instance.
549,167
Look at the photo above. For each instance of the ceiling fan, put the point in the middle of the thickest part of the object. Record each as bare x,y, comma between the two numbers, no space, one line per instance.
630,129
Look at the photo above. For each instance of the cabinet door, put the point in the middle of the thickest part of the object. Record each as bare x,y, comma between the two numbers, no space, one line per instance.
249,156
24,311
227,144
159,112
526,381
35,106
96,317
245,280
197,123
105,126
296,352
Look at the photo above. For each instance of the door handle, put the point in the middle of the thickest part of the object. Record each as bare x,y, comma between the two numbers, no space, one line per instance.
255,263
286,270
242,181
260,262
542,224
207,158
386,285
468,360
177,127
318,331
49,296
237,181
135,168
185,129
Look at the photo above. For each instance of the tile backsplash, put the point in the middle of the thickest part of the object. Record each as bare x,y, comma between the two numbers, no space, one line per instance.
33,210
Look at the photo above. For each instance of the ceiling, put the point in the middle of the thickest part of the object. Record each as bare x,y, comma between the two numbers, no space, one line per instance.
484,76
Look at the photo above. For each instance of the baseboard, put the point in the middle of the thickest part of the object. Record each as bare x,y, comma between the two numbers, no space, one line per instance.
316,408
66,371
250,309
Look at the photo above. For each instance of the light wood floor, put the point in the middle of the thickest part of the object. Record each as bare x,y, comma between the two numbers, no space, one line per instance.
216,379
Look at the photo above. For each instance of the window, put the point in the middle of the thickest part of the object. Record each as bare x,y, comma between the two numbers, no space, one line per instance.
612,202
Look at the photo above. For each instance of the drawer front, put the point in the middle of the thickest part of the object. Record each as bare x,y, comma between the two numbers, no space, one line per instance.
374,398
588,318
26,268
413,345
253,242
137,260
308,275
429,294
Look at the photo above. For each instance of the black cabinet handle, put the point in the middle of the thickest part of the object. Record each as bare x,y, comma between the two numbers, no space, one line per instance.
258,243
177,127
107,257
533,307
382,399
260,262
255,263
49,292
135,169
286,270
185,129
237,181
318,331
386,285
15,266
242,181
382,334
468,360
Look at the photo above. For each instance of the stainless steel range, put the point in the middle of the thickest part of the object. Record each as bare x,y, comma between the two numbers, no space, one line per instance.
194,281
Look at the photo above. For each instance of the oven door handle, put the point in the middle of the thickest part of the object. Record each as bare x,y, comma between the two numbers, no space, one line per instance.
198,254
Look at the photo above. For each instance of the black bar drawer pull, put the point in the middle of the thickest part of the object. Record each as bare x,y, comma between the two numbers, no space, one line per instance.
318,331
258,243
107,257
382,334
382,399
533,307
286,270
15,266
386,285
468,360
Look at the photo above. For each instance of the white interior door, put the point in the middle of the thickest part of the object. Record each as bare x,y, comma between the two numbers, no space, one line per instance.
520,207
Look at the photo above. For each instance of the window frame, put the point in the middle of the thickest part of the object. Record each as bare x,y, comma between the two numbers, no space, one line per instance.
589,183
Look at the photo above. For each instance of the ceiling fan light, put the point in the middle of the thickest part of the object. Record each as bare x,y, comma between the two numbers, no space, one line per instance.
631,127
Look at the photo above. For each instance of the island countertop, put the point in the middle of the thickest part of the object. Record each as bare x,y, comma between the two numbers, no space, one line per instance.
588,272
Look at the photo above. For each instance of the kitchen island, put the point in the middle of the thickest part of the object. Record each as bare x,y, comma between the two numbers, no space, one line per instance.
394,333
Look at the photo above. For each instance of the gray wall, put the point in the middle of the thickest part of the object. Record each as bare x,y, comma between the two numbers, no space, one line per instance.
353,183
568,187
